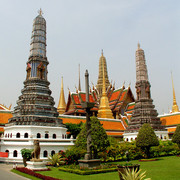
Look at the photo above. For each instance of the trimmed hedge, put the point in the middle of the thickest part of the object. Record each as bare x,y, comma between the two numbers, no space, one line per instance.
87,172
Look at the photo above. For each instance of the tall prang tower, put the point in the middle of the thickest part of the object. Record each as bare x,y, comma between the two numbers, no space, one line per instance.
102,66
144,110
36,105
35,117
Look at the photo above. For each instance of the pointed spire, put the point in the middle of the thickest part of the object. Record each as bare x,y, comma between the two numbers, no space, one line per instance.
102,66
141,68
175,107
62,104
104,108
138,45
79,87
40,12
102,52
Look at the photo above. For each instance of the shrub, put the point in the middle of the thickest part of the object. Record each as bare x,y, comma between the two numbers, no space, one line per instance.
54,159
74,154
176,136
146,138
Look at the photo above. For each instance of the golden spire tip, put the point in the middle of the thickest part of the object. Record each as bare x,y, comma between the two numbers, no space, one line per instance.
138,45
40,12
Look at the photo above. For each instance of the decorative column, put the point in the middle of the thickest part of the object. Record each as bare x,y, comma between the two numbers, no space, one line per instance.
88,162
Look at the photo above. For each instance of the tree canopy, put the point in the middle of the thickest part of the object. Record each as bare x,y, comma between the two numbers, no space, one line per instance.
176,136
74,129
146,138
98,135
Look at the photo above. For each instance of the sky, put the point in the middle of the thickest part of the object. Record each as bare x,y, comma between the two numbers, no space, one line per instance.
78,30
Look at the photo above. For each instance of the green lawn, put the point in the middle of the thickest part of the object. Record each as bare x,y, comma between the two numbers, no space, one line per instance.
166,168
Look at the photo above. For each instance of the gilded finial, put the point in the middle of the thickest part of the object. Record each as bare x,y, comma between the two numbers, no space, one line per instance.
138,45
102,53
40,12
175,107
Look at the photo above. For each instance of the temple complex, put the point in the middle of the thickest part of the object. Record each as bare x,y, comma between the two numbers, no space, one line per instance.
35,116
116,99
120,114
144,110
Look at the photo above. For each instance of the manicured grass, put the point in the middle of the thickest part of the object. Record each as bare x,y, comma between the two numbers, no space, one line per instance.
166,168
24,174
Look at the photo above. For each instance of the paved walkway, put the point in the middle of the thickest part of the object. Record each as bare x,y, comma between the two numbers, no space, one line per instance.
6,174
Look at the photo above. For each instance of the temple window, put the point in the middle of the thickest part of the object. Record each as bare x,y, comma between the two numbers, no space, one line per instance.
25,135
54,136
131,139
127,139
52,152
15,153
63,136
38,135
18,135
45,154
6,136
11,135
46,136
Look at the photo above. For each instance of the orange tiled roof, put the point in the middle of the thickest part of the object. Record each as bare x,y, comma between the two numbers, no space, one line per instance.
75,98
115,125
123,95
4,116
83,97
171,130
107,125
115,95
170,119
114,133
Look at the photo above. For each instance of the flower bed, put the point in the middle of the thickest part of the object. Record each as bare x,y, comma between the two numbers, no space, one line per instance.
32,173
85,171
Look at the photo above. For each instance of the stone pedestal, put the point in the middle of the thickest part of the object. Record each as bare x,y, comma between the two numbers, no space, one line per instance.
36,165
90,164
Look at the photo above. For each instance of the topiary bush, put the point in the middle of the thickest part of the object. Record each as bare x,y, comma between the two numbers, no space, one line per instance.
146,138
176,136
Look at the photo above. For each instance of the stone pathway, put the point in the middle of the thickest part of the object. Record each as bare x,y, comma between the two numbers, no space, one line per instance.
6,174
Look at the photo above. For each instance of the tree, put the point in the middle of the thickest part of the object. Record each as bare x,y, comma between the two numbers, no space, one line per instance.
176,136
74,129
26,154
146,138
99,138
